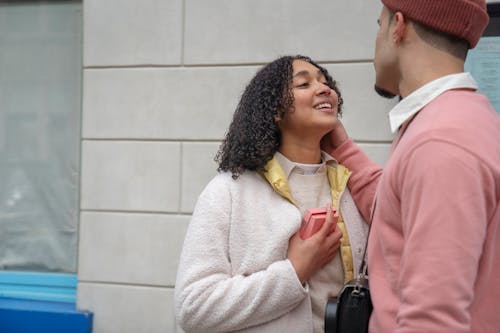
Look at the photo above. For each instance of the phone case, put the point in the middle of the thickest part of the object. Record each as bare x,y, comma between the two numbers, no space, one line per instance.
313,221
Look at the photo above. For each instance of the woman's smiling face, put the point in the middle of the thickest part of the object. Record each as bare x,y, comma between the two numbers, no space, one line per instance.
315,106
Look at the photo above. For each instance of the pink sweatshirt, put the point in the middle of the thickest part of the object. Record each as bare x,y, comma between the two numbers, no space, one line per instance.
434,247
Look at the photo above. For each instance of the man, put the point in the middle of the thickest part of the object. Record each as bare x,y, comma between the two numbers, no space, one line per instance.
434,245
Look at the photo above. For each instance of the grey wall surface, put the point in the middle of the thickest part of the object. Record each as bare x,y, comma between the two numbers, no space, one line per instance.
161,81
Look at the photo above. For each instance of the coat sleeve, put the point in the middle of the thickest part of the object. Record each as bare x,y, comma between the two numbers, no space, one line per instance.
364,178
208,296
445,192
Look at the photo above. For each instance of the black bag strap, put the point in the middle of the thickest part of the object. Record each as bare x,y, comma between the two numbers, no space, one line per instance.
363,267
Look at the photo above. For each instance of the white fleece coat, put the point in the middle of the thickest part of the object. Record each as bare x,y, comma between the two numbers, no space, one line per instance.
233,273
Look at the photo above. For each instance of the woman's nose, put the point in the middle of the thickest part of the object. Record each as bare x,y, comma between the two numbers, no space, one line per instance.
323,89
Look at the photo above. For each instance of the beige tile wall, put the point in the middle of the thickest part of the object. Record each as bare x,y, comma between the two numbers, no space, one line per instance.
161,81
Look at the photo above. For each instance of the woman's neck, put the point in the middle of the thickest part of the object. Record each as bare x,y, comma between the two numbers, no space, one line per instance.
301,152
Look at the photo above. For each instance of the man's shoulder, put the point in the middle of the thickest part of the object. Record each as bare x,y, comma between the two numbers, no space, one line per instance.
460,104
458,113
457,119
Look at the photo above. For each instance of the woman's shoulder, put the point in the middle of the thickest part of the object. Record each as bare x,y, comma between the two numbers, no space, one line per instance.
225,179
223,188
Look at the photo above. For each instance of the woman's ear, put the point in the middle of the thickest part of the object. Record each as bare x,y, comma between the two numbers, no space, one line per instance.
277,119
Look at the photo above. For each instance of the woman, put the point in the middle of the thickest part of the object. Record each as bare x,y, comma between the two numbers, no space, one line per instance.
244,266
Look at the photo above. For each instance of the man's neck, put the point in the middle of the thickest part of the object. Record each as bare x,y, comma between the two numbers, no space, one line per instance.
425,66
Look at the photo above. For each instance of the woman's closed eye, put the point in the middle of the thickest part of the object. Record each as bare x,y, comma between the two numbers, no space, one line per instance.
302,85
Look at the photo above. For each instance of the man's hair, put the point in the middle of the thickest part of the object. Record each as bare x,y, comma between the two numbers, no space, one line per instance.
254,136
443,41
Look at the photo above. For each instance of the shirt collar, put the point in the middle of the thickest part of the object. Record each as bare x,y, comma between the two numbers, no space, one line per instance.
290,166
414,102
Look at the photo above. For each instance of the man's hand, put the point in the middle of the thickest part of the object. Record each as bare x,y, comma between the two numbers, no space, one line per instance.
333,139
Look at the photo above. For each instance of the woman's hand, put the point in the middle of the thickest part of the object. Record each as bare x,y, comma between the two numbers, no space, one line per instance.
310,255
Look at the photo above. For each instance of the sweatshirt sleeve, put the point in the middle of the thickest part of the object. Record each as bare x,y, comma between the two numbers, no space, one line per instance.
208,296
364,178
444,200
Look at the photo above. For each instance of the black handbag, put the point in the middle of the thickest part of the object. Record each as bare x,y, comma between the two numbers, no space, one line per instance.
350,311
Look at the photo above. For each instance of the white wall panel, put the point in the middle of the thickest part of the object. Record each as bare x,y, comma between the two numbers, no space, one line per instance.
128,309
142,32
228,31
198,103
162,103
377,152
130,176
198,168
130,248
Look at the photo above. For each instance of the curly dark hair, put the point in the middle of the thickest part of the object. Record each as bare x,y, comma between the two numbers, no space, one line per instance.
253,136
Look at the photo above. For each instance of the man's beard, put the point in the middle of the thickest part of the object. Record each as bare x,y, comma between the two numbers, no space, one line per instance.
384,93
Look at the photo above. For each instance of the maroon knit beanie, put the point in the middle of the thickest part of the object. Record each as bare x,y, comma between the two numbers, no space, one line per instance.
462,18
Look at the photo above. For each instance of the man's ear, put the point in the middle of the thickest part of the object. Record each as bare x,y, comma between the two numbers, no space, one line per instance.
277,118
400,27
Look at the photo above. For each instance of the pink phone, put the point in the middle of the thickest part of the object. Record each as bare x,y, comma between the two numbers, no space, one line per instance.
313,221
